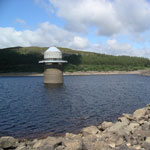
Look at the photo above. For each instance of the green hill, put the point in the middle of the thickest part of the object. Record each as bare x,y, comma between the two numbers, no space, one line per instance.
25,59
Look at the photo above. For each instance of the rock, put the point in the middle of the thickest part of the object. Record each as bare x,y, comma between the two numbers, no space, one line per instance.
105,125
50,143
23,148
146,145
123,147
112,145
128,133
128,116
147,140
146,126
119,141
8,142
73,136
116,127
89,140
139,113
60,147
132,126
112,139
73,144
136,147
124,120
97,145
90,130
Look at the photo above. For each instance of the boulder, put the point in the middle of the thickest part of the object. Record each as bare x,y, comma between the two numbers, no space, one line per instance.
139,113
123,147
73,136
8,142
116,127
23,148
105,125
73,144
124,120
146,146
50,143
132,126
90,130
128,116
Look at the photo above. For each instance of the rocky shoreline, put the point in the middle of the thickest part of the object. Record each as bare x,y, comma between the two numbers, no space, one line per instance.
130,132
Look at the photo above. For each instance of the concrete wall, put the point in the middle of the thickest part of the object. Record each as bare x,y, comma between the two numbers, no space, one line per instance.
53,74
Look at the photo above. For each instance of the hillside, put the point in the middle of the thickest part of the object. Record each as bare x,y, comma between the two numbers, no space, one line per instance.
25,59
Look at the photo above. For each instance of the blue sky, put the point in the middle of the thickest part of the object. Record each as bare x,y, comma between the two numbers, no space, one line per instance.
118,27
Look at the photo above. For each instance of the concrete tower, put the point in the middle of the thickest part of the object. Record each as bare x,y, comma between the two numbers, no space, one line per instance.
53,66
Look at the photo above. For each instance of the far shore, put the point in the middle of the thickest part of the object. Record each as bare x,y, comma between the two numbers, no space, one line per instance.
138,72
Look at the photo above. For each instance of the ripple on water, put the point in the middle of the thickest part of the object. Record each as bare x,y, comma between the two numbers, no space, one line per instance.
30,109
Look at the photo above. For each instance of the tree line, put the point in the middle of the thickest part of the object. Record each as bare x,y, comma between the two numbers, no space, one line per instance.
25,59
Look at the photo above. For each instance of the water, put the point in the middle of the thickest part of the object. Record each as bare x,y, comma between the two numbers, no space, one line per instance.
30,109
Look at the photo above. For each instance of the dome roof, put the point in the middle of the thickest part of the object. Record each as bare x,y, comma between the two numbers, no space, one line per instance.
52,53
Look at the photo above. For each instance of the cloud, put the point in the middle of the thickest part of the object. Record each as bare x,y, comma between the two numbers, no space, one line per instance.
50,35
45,35
20,21
113,44
80,43
45,4
110,17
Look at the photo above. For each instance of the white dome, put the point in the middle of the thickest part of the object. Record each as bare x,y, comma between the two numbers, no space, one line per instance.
52,53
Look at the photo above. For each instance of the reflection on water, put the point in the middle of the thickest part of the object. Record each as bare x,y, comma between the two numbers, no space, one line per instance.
53,86
30,108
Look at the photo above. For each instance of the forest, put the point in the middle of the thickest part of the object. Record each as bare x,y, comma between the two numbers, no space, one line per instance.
25,59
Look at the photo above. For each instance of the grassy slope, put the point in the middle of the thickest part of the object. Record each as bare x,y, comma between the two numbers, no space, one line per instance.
25,59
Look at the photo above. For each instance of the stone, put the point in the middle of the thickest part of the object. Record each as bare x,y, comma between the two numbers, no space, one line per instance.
73,144
23,148
105,125
128,116
147,139
8,142
49,143
123,147
112,145
89,140
90,130
146,145
97,145
124,120
116,127
60,147
132,126
73,136
128,144
139,113
119,142
136,147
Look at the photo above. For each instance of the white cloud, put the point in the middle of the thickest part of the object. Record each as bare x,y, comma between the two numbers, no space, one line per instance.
50,35
110,17
113,44
80,43
46,35
20,21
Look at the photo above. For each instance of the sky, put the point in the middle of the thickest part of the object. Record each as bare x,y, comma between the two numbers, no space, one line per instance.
116,27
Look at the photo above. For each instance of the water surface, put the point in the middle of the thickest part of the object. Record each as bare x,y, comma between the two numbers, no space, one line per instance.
30,109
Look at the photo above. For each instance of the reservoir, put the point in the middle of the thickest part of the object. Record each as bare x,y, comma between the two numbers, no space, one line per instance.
29,109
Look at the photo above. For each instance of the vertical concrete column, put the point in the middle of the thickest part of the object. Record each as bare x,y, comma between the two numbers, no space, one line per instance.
53,74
